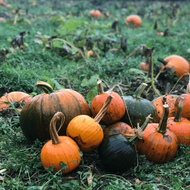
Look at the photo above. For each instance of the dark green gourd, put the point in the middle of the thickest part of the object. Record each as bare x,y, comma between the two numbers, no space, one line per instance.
137,108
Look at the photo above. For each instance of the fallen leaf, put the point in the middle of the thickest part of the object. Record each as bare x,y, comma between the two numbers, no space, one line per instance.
89,178
3,170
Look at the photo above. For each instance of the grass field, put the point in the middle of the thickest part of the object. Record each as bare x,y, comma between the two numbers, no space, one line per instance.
49,41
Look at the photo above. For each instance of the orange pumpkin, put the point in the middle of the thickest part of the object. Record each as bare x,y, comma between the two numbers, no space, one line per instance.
177,63
179,125
95,13
86,131
186,105
134,19
116,109
60,149
17,98
116,128
158,144
37,113
165,99
144,66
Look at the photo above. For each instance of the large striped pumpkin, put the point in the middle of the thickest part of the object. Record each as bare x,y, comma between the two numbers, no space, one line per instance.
36,115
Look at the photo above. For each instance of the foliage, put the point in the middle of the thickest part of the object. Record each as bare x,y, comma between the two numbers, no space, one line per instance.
61,34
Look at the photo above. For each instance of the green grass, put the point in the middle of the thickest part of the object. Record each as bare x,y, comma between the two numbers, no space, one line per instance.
21,69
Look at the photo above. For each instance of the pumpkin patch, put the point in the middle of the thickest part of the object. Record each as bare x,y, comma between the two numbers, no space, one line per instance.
65,135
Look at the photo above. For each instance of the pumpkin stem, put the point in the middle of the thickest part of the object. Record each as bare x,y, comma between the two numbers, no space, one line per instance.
100,87
44,86
167,88
163,122
139,91
162,61
52,127
188,87
179,110
139,132
104,108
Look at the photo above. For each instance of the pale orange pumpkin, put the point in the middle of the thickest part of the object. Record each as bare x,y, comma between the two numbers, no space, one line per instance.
95,13
177,63
134,19
60,149
16,98
86,131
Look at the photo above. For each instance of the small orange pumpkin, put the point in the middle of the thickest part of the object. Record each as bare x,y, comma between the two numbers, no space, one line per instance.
144,66
116,109
16,98
60,148
177,63
158,144
134,19
186,105
86,131
95,13
165,99
179,125
117,128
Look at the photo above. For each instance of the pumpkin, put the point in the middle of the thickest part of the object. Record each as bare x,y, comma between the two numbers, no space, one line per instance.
86,131
60,149
169,99
17,98
116,109
117,153
138,108
37,112
144,66
158,144
134,19
179,125
186,105
95,13
116,128
177,63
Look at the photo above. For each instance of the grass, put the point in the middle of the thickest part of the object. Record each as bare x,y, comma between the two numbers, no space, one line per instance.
20,166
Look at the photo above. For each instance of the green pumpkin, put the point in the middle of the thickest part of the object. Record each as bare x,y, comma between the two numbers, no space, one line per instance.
137,108
37,113
117,153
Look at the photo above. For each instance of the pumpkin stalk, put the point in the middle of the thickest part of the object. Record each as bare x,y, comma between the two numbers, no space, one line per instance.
44,86
167,88
104,108
139,131
162,61
163,122
139,91
179,110
152,75
188,87
52,127
100,87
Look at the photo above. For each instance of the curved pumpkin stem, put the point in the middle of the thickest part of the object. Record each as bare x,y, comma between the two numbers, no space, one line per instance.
100,87
139,132
179,110
163,122
162,61
44,86
104,108
139,90
52,127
